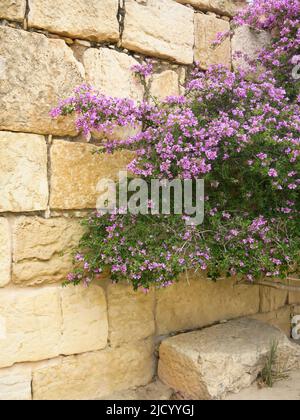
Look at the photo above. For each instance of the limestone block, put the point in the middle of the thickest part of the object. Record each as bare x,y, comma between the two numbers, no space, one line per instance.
95,375
294,297
130,314
85,326
222,7
43,249
280,318
76,171
94,20
272,299
156,391
247,41
160,28
200,302
5,252
39,73
165,84
13,10
206,30
23,172
110,72
225,358
15,383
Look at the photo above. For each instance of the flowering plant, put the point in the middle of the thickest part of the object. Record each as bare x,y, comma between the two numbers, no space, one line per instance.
240,135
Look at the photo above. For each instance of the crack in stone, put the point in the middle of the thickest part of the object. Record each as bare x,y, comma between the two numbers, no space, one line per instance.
121,19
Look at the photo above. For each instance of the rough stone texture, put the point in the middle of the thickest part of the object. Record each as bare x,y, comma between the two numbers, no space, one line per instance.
89,331
94,20
201,302
165,84
39,73
23,172
222,7
36,323
5,252
15,383
94,375
294,297
206,30
272,299
280,318
130,314
43,249
249,42
160,28
110,72
13,10
76,171
225,358
156,391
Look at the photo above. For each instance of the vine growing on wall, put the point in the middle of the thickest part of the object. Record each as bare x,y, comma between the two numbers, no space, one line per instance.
239,131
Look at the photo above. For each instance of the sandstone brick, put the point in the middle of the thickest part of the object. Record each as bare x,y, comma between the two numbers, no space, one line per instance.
76,171
94,375
247,41
13,10
36,323
165,84
15,383
43,249
5,252
206,30
272,299
23,172
130,314
85,326
222,7
280,318
110,72
163,29
202,302
93,20
34,78
294,297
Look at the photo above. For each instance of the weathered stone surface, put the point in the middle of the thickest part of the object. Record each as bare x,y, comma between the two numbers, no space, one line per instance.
156,391
225,358
202,302
222,7
130,314
31,321
76,171
39,73
23,172
13,10
294,297
36,323
15,383
161,29
206,30
247,41
94,20
272,299
43,249
5,252
94,375
85,326
165,84
280,318
110,72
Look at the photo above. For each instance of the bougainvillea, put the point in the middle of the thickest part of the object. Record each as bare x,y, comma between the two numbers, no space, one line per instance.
240,134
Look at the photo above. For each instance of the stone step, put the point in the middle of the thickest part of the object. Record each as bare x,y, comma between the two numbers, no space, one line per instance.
226,358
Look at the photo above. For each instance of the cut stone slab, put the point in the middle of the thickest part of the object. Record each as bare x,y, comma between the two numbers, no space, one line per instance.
156,391
15,383
13,10
161,28
93,20
40,72
226,358
5,252
222,7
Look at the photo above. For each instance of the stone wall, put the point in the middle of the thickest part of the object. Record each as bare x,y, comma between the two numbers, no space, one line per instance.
81,343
